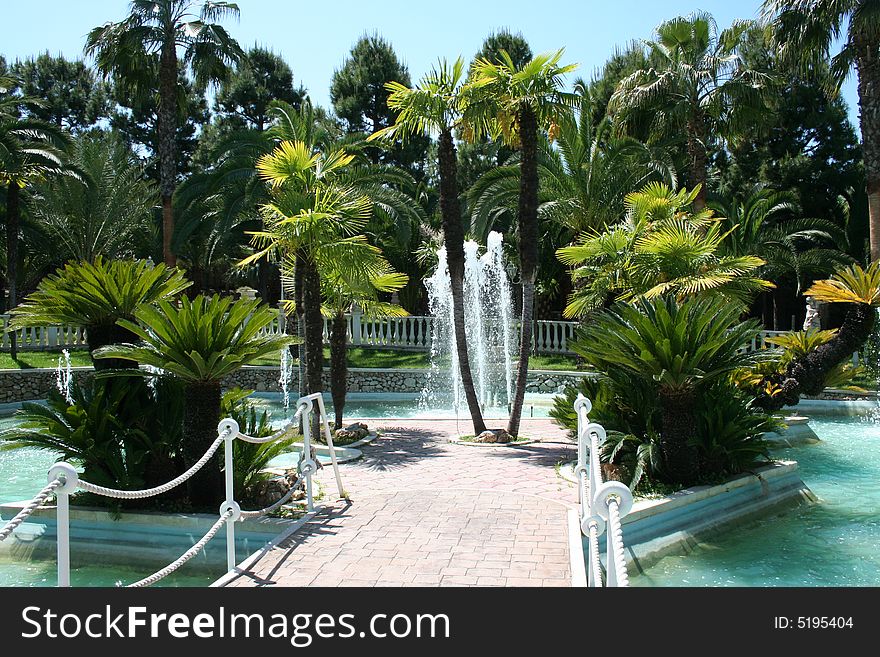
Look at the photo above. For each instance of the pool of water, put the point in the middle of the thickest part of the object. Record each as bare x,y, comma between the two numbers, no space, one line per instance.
368,405
832,543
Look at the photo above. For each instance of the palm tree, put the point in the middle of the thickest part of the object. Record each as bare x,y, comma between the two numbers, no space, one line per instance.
680,348
95,296
663,248
806,31
199,342
314,215
109,212
697,84
143,52
515,103
435,106
342,291
30,150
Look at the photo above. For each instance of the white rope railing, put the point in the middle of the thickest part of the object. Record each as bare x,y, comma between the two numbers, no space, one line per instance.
186,556
158,490
29,508
602,504
64,480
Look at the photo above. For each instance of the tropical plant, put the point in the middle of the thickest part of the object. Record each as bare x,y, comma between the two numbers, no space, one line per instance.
108,212
696,84
95,296
200,342
861,289
345,291
678,348
515,102
143,52
250,460
663,247
807,31
121,436
30,151
435,105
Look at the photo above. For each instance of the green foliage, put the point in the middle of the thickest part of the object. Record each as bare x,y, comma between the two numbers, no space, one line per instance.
199,340
663,247
249,460
853,284
99,293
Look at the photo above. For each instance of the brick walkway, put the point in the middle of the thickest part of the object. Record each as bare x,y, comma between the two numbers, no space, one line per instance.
423,512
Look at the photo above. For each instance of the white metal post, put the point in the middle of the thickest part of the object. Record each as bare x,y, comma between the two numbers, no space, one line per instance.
306,461
69,478
328,436
231,435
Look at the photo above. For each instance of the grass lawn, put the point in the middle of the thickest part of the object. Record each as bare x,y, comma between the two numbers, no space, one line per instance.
357,357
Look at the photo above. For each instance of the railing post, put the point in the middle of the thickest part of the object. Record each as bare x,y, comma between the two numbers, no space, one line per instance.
306,465
232,429
69,477
356,331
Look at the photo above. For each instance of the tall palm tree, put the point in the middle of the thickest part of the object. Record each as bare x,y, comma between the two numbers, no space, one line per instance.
662,248
200,342
30,150
143,52
697,84
514,103
435,106
807,31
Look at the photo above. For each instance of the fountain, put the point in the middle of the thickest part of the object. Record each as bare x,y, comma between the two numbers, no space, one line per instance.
487,310
64,376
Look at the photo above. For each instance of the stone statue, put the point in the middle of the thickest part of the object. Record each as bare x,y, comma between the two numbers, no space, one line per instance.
812,319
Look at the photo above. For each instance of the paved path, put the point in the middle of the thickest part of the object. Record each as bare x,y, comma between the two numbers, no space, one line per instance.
423,512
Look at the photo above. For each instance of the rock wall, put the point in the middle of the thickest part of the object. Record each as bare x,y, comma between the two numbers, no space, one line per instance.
24,385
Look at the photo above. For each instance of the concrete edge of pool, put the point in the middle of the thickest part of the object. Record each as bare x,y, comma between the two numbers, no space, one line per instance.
677,523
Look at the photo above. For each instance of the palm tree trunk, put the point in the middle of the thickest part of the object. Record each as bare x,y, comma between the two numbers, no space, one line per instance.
528,253
166,131
453,238
679,426
868,67
810,371
13,210
338,365
314,326
102,335
699,161
200,417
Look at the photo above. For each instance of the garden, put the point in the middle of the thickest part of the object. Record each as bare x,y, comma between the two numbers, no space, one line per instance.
689,238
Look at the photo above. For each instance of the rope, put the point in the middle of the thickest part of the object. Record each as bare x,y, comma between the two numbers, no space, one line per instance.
268,439
158,490
186,556
617,542
22,515
246,515
595,564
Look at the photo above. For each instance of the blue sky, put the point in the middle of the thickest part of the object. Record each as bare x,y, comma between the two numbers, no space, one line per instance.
315,37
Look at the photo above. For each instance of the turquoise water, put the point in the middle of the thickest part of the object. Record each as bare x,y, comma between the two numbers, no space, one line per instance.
833,543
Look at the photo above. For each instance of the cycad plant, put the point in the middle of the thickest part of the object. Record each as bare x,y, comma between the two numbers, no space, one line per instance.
200,342
95,296
663,247
680,349
853,285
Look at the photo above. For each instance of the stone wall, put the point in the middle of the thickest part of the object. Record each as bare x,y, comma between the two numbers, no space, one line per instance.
23,385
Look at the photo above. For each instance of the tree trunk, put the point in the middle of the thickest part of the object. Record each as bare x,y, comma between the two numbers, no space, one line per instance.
107,334
679,426
810,371
313,329
297,351
699,161
13,210
868,66
338,365
453,238
166,131
200,417
528,253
